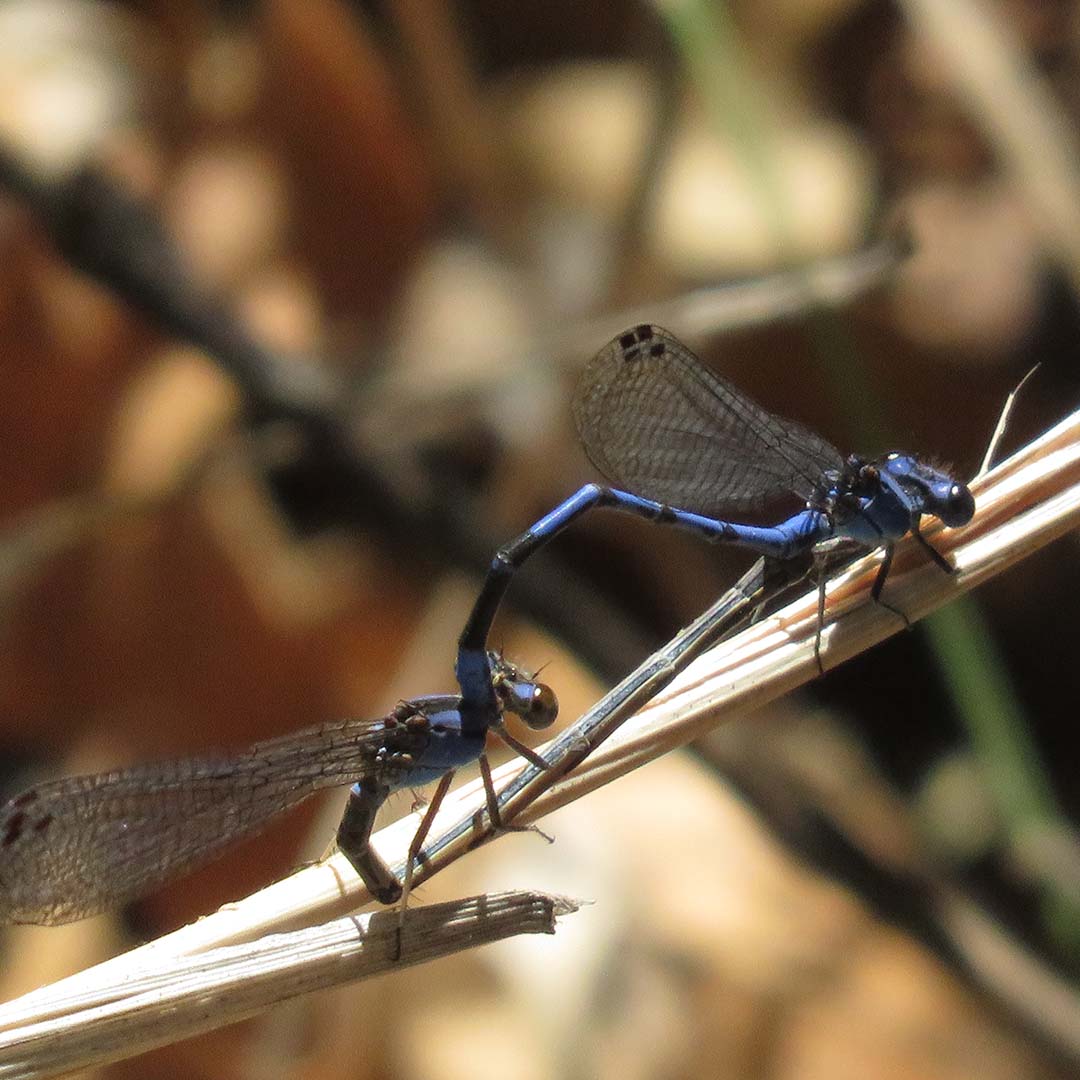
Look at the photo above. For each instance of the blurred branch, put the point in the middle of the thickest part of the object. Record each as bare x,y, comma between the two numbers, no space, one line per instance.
711,311
1034,139
468,147
116,239
700,314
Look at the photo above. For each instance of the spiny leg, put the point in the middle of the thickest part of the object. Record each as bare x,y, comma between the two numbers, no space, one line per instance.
416,846
527,752
932,551
879,584
938,559
492,798
817,569
882,574
820,619
875,591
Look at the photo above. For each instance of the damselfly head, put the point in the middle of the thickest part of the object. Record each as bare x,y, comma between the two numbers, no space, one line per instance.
937,488
519,693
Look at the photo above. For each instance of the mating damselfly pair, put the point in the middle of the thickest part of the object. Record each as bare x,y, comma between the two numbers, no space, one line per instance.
687,449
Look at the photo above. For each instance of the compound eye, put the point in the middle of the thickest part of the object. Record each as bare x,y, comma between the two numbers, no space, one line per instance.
534,703
959,506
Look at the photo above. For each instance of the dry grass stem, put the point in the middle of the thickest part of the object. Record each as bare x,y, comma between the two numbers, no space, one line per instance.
76,1026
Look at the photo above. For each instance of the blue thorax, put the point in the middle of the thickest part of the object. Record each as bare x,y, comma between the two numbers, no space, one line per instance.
451,745
879,502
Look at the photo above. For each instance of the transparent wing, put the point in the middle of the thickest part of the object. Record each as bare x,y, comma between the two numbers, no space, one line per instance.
656,420
74,847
